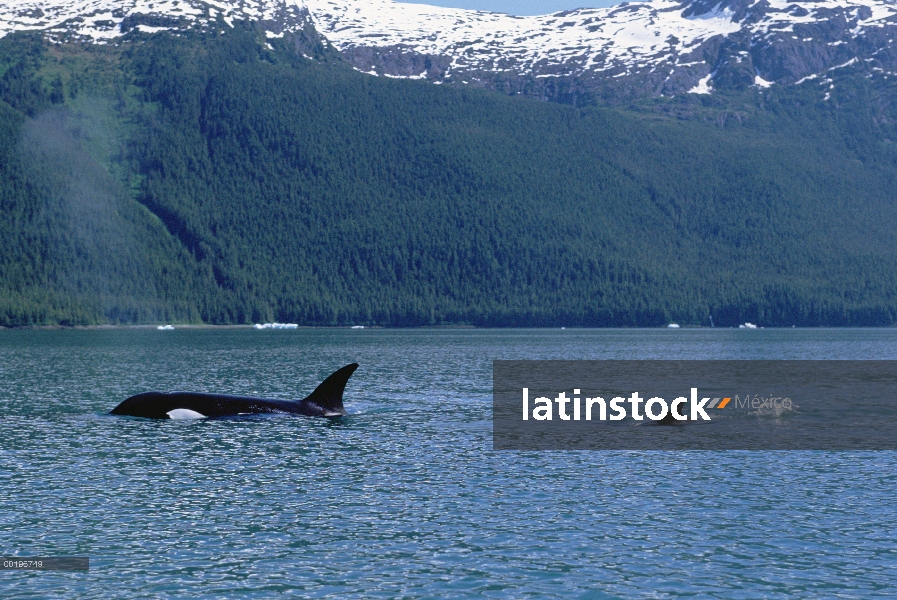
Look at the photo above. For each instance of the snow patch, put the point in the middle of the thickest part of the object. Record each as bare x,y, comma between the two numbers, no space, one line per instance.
847,64
703,86
629,38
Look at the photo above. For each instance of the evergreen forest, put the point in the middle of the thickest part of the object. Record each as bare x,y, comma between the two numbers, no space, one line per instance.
220,177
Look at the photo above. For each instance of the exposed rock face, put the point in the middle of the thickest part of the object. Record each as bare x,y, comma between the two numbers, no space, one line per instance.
630,51
398,60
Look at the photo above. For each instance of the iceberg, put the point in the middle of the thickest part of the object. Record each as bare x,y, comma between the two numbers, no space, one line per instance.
276,326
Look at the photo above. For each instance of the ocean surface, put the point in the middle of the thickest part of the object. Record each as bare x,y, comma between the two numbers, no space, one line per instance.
405,497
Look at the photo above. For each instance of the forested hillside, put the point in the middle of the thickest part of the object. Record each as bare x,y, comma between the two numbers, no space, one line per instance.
224,178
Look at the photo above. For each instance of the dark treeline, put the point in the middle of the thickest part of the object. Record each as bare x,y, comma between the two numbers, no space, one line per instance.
209,177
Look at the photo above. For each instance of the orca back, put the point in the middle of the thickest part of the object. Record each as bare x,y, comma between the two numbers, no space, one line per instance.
325,401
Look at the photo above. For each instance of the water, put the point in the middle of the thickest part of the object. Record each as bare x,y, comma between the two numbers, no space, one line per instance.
405,497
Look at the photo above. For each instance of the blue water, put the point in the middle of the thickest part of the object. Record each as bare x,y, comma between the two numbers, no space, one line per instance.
405,498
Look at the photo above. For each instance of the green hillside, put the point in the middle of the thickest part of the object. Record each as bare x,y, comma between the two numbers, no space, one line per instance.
214,178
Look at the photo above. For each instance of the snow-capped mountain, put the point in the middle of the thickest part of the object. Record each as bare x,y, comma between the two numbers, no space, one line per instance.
655,48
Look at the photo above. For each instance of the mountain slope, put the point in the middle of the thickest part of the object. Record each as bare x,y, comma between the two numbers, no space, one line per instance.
660,48
218,175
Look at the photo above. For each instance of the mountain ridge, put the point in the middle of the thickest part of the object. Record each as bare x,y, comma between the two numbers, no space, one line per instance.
655,49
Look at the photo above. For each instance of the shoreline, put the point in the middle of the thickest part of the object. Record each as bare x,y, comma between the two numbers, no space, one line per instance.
155,326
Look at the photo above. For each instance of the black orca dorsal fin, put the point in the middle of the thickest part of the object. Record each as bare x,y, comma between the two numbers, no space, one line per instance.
329,395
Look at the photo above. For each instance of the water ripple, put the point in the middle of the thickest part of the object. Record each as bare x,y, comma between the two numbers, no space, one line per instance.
405,497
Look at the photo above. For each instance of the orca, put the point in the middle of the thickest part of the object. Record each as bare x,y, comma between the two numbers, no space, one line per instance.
325,401
668,421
